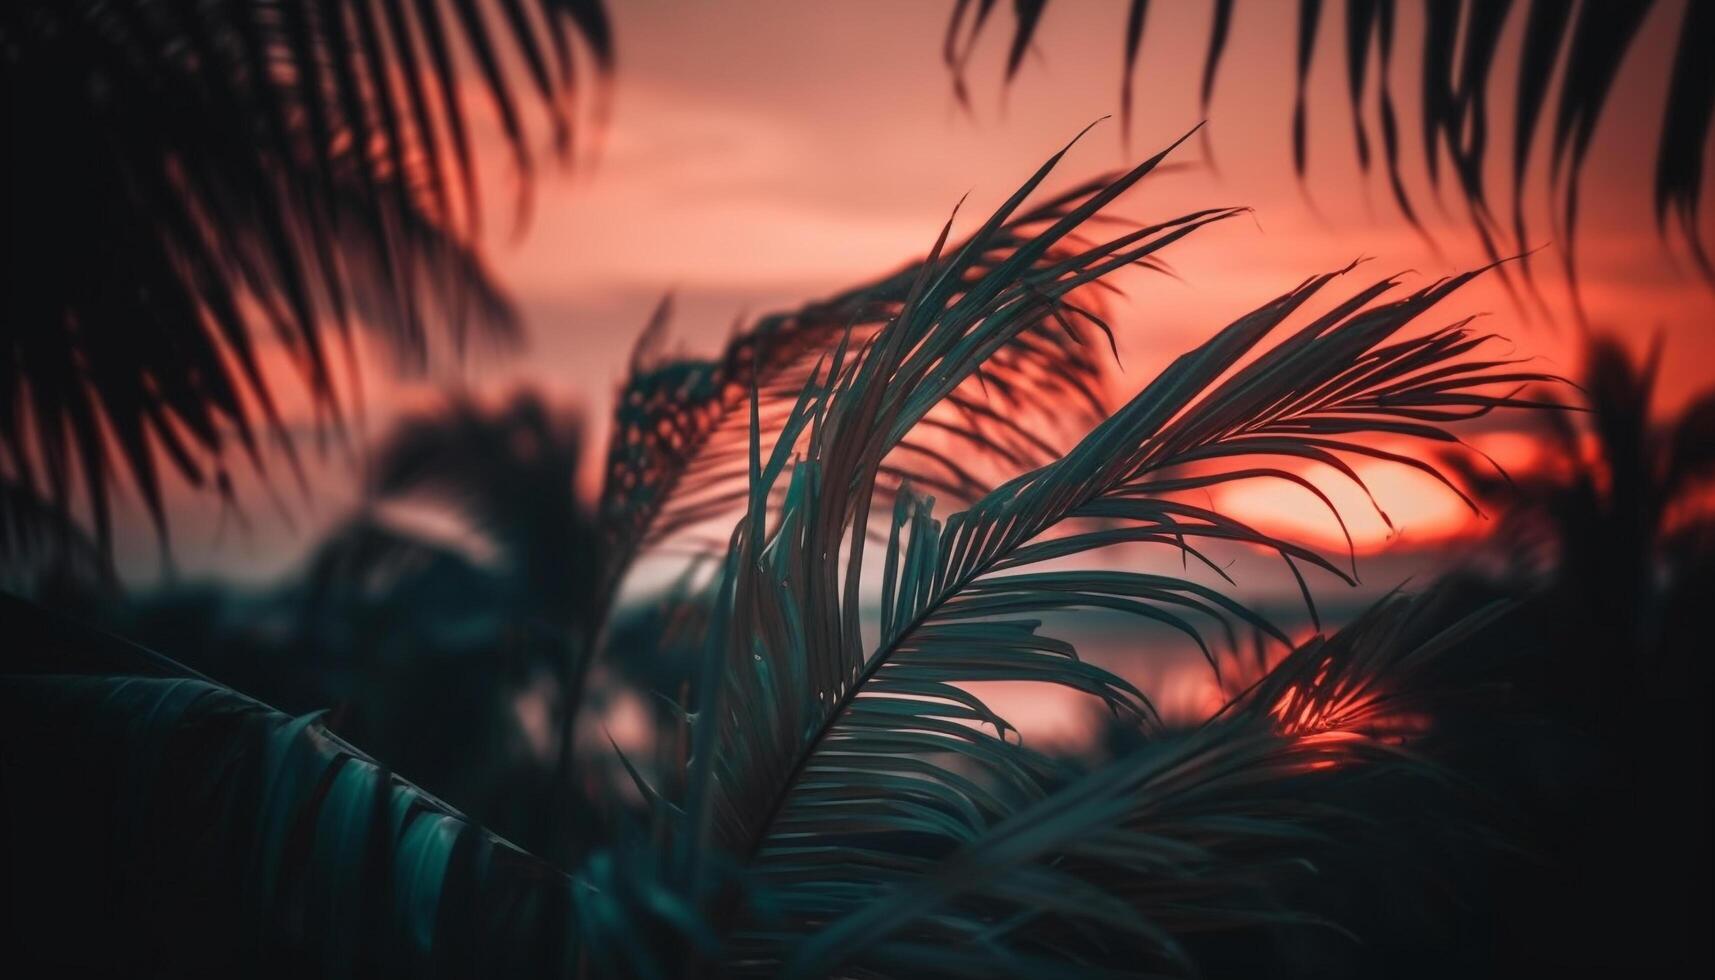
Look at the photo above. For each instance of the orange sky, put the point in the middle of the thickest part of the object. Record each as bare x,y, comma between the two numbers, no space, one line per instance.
765,152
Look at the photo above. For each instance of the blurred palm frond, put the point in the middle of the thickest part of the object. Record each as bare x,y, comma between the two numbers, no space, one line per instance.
204,197
1584,45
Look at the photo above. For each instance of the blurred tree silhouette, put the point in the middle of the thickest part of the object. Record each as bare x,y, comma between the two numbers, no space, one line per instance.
1613,543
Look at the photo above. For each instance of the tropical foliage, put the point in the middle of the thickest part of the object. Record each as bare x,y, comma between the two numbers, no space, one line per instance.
829,795
881,506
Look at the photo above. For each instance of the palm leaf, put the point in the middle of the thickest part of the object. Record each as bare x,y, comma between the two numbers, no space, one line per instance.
254,836
1454,92
676,457
1690,114
193,185
1189,831
230,838
838,766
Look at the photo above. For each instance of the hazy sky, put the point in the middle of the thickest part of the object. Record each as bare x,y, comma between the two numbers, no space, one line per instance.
765,152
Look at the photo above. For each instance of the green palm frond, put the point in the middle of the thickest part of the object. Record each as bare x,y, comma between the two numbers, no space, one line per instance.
1461,46
199,192
231,839
302,846
677,455
1189,831
834,762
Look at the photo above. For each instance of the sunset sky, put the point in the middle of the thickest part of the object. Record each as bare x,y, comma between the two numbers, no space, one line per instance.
766,152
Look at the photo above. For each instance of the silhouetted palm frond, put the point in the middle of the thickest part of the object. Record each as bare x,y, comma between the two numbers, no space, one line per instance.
1460,47
195,191
1615,479
676,453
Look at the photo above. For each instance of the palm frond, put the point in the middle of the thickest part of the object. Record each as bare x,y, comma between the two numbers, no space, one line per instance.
839,766
230,838
1460,47
195,192
1188,832
1684,133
